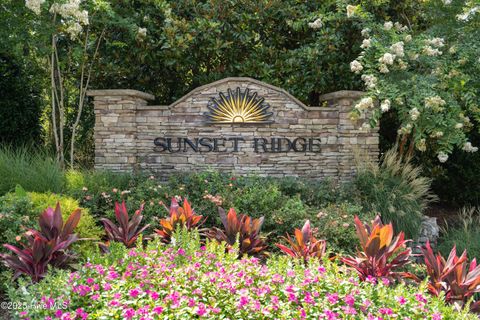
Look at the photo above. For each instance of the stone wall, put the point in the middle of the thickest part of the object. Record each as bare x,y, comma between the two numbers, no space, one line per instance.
126,127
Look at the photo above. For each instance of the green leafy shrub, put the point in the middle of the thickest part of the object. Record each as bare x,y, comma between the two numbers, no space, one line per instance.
96,181
465,234
33,170
395,189
334,224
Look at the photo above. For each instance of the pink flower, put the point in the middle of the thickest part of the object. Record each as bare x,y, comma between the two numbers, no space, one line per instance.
58,313
158,310
107,286
436,316
332,298
129,313
95,297
385,311
181,252
401,300
349,300
134,293
90,280
243,302
154,295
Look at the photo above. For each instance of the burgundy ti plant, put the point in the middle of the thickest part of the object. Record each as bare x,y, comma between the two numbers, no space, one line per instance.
128,230
44,247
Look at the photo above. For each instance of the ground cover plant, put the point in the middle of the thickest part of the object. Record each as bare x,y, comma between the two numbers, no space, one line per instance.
193,281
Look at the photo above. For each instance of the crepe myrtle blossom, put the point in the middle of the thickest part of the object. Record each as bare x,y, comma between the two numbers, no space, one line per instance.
317,24
397,49
364,104
414,114
385,105
356,66
388,25
387,58
370,80
467,146
442,157
141,33
351,10
34,5
366,43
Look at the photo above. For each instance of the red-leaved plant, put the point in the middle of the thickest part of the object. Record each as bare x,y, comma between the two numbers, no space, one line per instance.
128,230
179,216
381,253
44,247
243,228
304,245
454,276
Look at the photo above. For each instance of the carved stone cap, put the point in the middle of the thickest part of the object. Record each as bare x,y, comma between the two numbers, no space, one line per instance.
343,94
121,92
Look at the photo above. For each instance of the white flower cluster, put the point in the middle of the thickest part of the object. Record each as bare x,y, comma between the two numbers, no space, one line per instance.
405,130
366,32
387,58
364,104
432,46
388,25
34,5
398,49
370,80
435,103
414,114
141,33
73,15
351,10
421,145
442,157
437,134
468,14
467,146
317,24
385,105
366,43
356,66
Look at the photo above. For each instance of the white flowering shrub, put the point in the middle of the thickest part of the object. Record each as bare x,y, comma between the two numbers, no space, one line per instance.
429,80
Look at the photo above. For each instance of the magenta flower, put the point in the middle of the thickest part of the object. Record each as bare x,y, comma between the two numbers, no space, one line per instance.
401,300
332,298
158,310
134,293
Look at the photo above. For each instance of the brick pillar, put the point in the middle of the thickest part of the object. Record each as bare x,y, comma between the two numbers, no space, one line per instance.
352,137
116,127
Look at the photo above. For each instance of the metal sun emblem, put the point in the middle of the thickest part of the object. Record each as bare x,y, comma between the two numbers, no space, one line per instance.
238,107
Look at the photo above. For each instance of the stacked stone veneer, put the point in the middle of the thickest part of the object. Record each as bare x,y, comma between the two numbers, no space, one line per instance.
126,127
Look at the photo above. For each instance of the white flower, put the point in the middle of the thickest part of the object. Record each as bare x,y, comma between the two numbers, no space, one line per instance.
73,30
414,114
351,10
317,24
408,38
447,2
436,103
385,105
467,146
364,104
387,58
437,134
365,32
356,66
141,33
397,49
365,43
34,5
388,25
370,80
405,130
442,157
459,125
383,68
422,145
403,65
466,15
436,42
429,51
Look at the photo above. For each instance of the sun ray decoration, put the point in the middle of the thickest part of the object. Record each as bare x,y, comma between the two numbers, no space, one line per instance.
238,107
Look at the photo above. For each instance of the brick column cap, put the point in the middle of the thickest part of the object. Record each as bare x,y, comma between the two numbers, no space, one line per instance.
121,92
354,95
